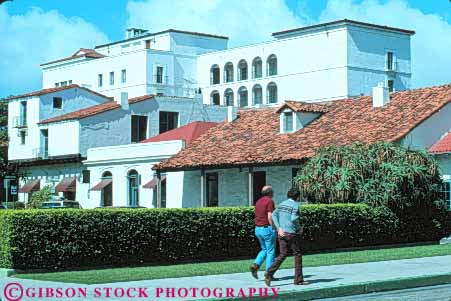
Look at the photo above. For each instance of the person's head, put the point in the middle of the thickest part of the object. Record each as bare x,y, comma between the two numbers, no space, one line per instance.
267,191
294,194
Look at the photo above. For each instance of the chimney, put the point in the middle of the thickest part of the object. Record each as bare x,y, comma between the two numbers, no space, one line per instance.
124,101
231,113
381,95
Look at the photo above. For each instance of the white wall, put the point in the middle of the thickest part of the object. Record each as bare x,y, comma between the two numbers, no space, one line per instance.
120,160
63,138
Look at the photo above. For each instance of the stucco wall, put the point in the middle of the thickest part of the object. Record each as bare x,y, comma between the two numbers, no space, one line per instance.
429,131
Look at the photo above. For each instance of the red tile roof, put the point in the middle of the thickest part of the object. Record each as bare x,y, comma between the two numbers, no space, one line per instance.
94,110
254,137
189,132
84,113
300,106
442,146
83,52
53,90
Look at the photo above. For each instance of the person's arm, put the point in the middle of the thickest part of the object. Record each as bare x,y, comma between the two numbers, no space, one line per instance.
270,209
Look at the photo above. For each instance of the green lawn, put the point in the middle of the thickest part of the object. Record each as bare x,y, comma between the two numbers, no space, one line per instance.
236,266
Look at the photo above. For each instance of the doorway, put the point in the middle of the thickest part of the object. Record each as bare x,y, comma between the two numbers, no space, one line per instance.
259,179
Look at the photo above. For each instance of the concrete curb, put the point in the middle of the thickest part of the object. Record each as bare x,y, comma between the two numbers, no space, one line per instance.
359,288
6,272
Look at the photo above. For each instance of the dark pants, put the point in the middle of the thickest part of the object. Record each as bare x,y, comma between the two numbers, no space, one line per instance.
292,241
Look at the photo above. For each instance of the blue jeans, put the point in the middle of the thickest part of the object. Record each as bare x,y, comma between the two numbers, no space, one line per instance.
267,238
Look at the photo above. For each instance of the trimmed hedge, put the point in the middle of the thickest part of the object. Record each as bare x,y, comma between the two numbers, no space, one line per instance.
61,239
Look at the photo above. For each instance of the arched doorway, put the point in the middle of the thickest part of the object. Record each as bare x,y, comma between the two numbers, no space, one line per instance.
107,191
133,188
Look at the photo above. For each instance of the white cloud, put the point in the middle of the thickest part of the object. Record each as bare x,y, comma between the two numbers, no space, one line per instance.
34,38
244,21
431,59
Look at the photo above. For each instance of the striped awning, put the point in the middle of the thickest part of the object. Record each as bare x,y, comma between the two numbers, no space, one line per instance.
104,183
30,186
67,184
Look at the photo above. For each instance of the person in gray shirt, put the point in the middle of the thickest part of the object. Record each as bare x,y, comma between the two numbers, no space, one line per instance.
289,230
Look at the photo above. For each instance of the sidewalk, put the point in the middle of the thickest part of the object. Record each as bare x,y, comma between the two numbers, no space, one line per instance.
327,281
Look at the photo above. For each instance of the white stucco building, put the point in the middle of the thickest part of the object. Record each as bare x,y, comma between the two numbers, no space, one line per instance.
334,60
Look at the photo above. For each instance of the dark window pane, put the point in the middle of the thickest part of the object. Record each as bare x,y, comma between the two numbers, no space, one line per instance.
168,121
139,128
212,190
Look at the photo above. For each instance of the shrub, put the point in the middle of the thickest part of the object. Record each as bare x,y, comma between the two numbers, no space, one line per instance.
71,238
37,198
379,174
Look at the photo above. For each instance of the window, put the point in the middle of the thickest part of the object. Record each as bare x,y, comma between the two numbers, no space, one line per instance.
214,75
445,193
168,121
257,68
271,65
133,188
242,70
111,78
212,189
159,75
228,97
57,103
23,113
390,65
271,93
287,122
294,174
63,84
86,175
163,193
70,82
44,151
147,44
257,97
214,98
100,80
228,72
57,85
23,135
124,76
242,97
390,84
139,128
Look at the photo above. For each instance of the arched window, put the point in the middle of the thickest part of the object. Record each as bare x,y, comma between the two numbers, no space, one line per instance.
271,65
214,75
242,97
271,93
214,98
257,95
133,188
242,70
228,97
107,191
257,68
228,72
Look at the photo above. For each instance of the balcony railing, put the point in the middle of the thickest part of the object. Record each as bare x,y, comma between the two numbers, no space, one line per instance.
19,122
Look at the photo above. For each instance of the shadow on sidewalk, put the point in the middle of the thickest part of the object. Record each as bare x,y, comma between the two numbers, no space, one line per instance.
310,281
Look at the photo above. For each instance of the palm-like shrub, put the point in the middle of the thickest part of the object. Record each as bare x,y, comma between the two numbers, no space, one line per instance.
380,174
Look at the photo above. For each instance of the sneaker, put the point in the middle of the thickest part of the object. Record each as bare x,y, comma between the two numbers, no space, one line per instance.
254,269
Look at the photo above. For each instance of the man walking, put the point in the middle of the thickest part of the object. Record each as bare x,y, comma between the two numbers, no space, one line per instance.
289,230
264,230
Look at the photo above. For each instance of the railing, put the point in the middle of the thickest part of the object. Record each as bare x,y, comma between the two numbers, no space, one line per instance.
19,122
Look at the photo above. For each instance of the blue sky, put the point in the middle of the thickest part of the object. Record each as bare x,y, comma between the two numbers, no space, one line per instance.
38,31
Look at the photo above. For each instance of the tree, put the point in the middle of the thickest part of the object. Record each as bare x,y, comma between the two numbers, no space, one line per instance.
37,198
380,174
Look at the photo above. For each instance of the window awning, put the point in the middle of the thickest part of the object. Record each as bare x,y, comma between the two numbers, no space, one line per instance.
153,183
30,186
67,184
104,183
